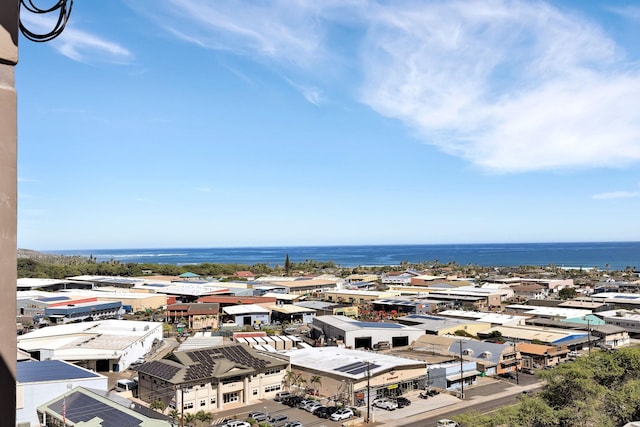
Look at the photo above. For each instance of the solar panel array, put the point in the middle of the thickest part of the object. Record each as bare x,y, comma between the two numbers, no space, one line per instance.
356,368
204,364
239,354
50,370
159,369
83,408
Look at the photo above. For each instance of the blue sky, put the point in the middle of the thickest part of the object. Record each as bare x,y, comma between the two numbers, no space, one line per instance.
193,123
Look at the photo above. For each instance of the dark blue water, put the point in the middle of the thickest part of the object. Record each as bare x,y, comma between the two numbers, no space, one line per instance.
613,255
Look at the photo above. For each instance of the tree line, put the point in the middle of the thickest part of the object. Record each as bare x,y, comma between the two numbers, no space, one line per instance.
601,390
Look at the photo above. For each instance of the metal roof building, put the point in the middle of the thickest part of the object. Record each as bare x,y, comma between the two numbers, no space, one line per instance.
37,381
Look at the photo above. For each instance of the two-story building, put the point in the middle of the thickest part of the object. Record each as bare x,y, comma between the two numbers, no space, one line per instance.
212,379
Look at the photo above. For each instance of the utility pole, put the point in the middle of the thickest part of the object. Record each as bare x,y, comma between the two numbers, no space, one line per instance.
588,333
461,372
515,356
9,24
368,391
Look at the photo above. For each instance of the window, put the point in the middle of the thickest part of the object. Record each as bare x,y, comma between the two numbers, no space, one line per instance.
254,391
213,401
203,402
230,397
188,405
270,388
272,371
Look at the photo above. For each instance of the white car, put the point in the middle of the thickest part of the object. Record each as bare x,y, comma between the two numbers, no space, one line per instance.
447,423
236,423
341,414
384,403
312,406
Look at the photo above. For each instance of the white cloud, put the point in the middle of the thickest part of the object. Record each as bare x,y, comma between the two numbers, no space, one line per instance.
617,195
628,12
311,93
510,86
78,45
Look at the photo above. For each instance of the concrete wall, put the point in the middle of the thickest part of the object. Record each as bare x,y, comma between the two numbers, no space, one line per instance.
9,16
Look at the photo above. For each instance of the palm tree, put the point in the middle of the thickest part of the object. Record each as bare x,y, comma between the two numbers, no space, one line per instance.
316,379
157,405
174,414
203,416
189,418
291,379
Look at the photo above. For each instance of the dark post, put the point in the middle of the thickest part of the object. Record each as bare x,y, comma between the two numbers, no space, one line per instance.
515,355
461,372
368,390
588,332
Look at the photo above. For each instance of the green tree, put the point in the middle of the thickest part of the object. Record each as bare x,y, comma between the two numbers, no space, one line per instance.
190,418
157,405
567,293
287,265
316,379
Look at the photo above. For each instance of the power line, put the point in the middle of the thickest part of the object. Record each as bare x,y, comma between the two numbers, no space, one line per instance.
61,7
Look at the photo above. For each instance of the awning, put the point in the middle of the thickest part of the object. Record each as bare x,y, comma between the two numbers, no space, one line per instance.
466,374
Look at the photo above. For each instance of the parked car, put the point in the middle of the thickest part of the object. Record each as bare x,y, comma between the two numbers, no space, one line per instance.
423,395
528,371
235,423
432,392
325,411
258,416
385,403
282,395
317,408
402,402
447,423
312,406
294,424
508,375
301,404
292,400
341,414
278,420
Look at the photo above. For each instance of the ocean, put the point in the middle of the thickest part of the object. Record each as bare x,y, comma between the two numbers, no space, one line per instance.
612,255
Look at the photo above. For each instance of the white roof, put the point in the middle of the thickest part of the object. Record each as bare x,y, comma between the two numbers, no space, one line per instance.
287,297
29,282
331,359
98,339
245,309
561,312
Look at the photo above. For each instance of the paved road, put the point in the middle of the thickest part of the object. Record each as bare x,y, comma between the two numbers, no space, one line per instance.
484,398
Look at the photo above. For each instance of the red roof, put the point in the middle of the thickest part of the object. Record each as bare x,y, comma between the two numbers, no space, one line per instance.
244,274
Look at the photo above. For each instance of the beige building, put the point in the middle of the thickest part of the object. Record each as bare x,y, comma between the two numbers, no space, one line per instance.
341,374
212,379
357,297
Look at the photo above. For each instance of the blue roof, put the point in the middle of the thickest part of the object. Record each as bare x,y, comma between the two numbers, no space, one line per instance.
379,325
50,370
189,274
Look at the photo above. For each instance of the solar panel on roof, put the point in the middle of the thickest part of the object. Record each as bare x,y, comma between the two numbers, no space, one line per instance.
51,299
362,369
345,368
76,411
50,370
